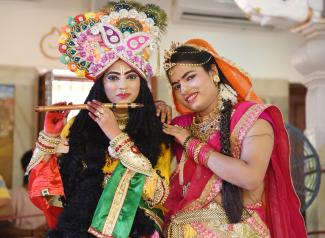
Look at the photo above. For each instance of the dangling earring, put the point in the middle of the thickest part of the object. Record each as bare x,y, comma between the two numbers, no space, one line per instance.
216,79
227,93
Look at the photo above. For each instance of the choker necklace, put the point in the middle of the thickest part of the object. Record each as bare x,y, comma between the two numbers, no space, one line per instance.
203,127
211,115
122,119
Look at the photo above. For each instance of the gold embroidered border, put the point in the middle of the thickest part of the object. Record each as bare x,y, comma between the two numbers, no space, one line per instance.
155,217
206,195
96,233
136,161
242,127
54,200
176,230
118,202
256,223
213,222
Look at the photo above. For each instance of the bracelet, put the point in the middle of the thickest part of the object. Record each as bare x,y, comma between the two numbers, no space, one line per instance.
47,144
204,154
49,139
119,146
118,140
191,146
186,141
44,146
44,149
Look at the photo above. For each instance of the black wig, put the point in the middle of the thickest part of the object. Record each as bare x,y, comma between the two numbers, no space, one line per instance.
81,167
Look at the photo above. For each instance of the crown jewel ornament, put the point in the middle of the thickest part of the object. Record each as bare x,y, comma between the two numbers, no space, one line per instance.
92,42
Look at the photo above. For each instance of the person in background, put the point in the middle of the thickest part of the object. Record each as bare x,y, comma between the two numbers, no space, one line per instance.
27,215
26,220
5,203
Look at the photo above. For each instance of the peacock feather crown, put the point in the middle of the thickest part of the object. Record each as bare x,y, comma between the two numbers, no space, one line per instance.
126,30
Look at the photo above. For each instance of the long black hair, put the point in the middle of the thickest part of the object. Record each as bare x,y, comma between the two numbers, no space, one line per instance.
231,194
81,167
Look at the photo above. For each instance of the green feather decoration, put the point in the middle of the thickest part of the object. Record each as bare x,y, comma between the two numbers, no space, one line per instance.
119,5
152,11
157,14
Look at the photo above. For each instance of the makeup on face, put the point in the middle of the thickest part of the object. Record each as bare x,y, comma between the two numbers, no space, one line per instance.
193,87
122,83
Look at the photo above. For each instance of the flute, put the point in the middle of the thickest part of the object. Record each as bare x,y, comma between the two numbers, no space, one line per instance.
84,106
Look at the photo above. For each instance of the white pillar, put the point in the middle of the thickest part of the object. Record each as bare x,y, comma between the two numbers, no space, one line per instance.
309,60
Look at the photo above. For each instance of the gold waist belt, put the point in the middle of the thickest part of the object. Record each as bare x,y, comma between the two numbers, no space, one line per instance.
199,216
215,218
176,228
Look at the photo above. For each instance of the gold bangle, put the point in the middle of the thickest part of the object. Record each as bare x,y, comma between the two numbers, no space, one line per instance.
186,141
118,140
46,150
47,143
49,139
124,148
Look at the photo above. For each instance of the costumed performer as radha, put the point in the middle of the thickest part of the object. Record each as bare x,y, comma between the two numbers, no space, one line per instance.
233,174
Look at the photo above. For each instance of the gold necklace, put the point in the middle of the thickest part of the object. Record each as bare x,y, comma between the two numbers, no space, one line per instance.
202,129
211,115
122,119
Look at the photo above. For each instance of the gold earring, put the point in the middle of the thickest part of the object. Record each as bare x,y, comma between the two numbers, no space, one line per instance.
216,79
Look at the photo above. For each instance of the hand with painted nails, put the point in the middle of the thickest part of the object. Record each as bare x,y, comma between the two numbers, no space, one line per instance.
164,111
105,118
55,120
179,133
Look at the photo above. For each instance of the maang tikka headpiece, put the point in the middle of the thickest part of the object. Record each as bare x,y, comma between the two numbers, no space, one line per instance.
123,30
168,54
168,64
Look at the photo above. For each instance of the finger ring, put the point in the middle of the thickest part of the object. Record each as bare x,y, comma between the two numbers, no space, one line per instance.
98,114
100,110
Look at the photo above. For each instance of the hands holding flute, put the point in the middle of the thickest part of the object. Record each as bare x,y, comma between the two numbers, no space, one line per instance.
104,117
56,114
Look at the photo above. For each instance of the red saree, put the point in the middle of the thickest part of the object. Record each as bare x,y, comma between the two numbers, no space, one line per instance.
281,204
